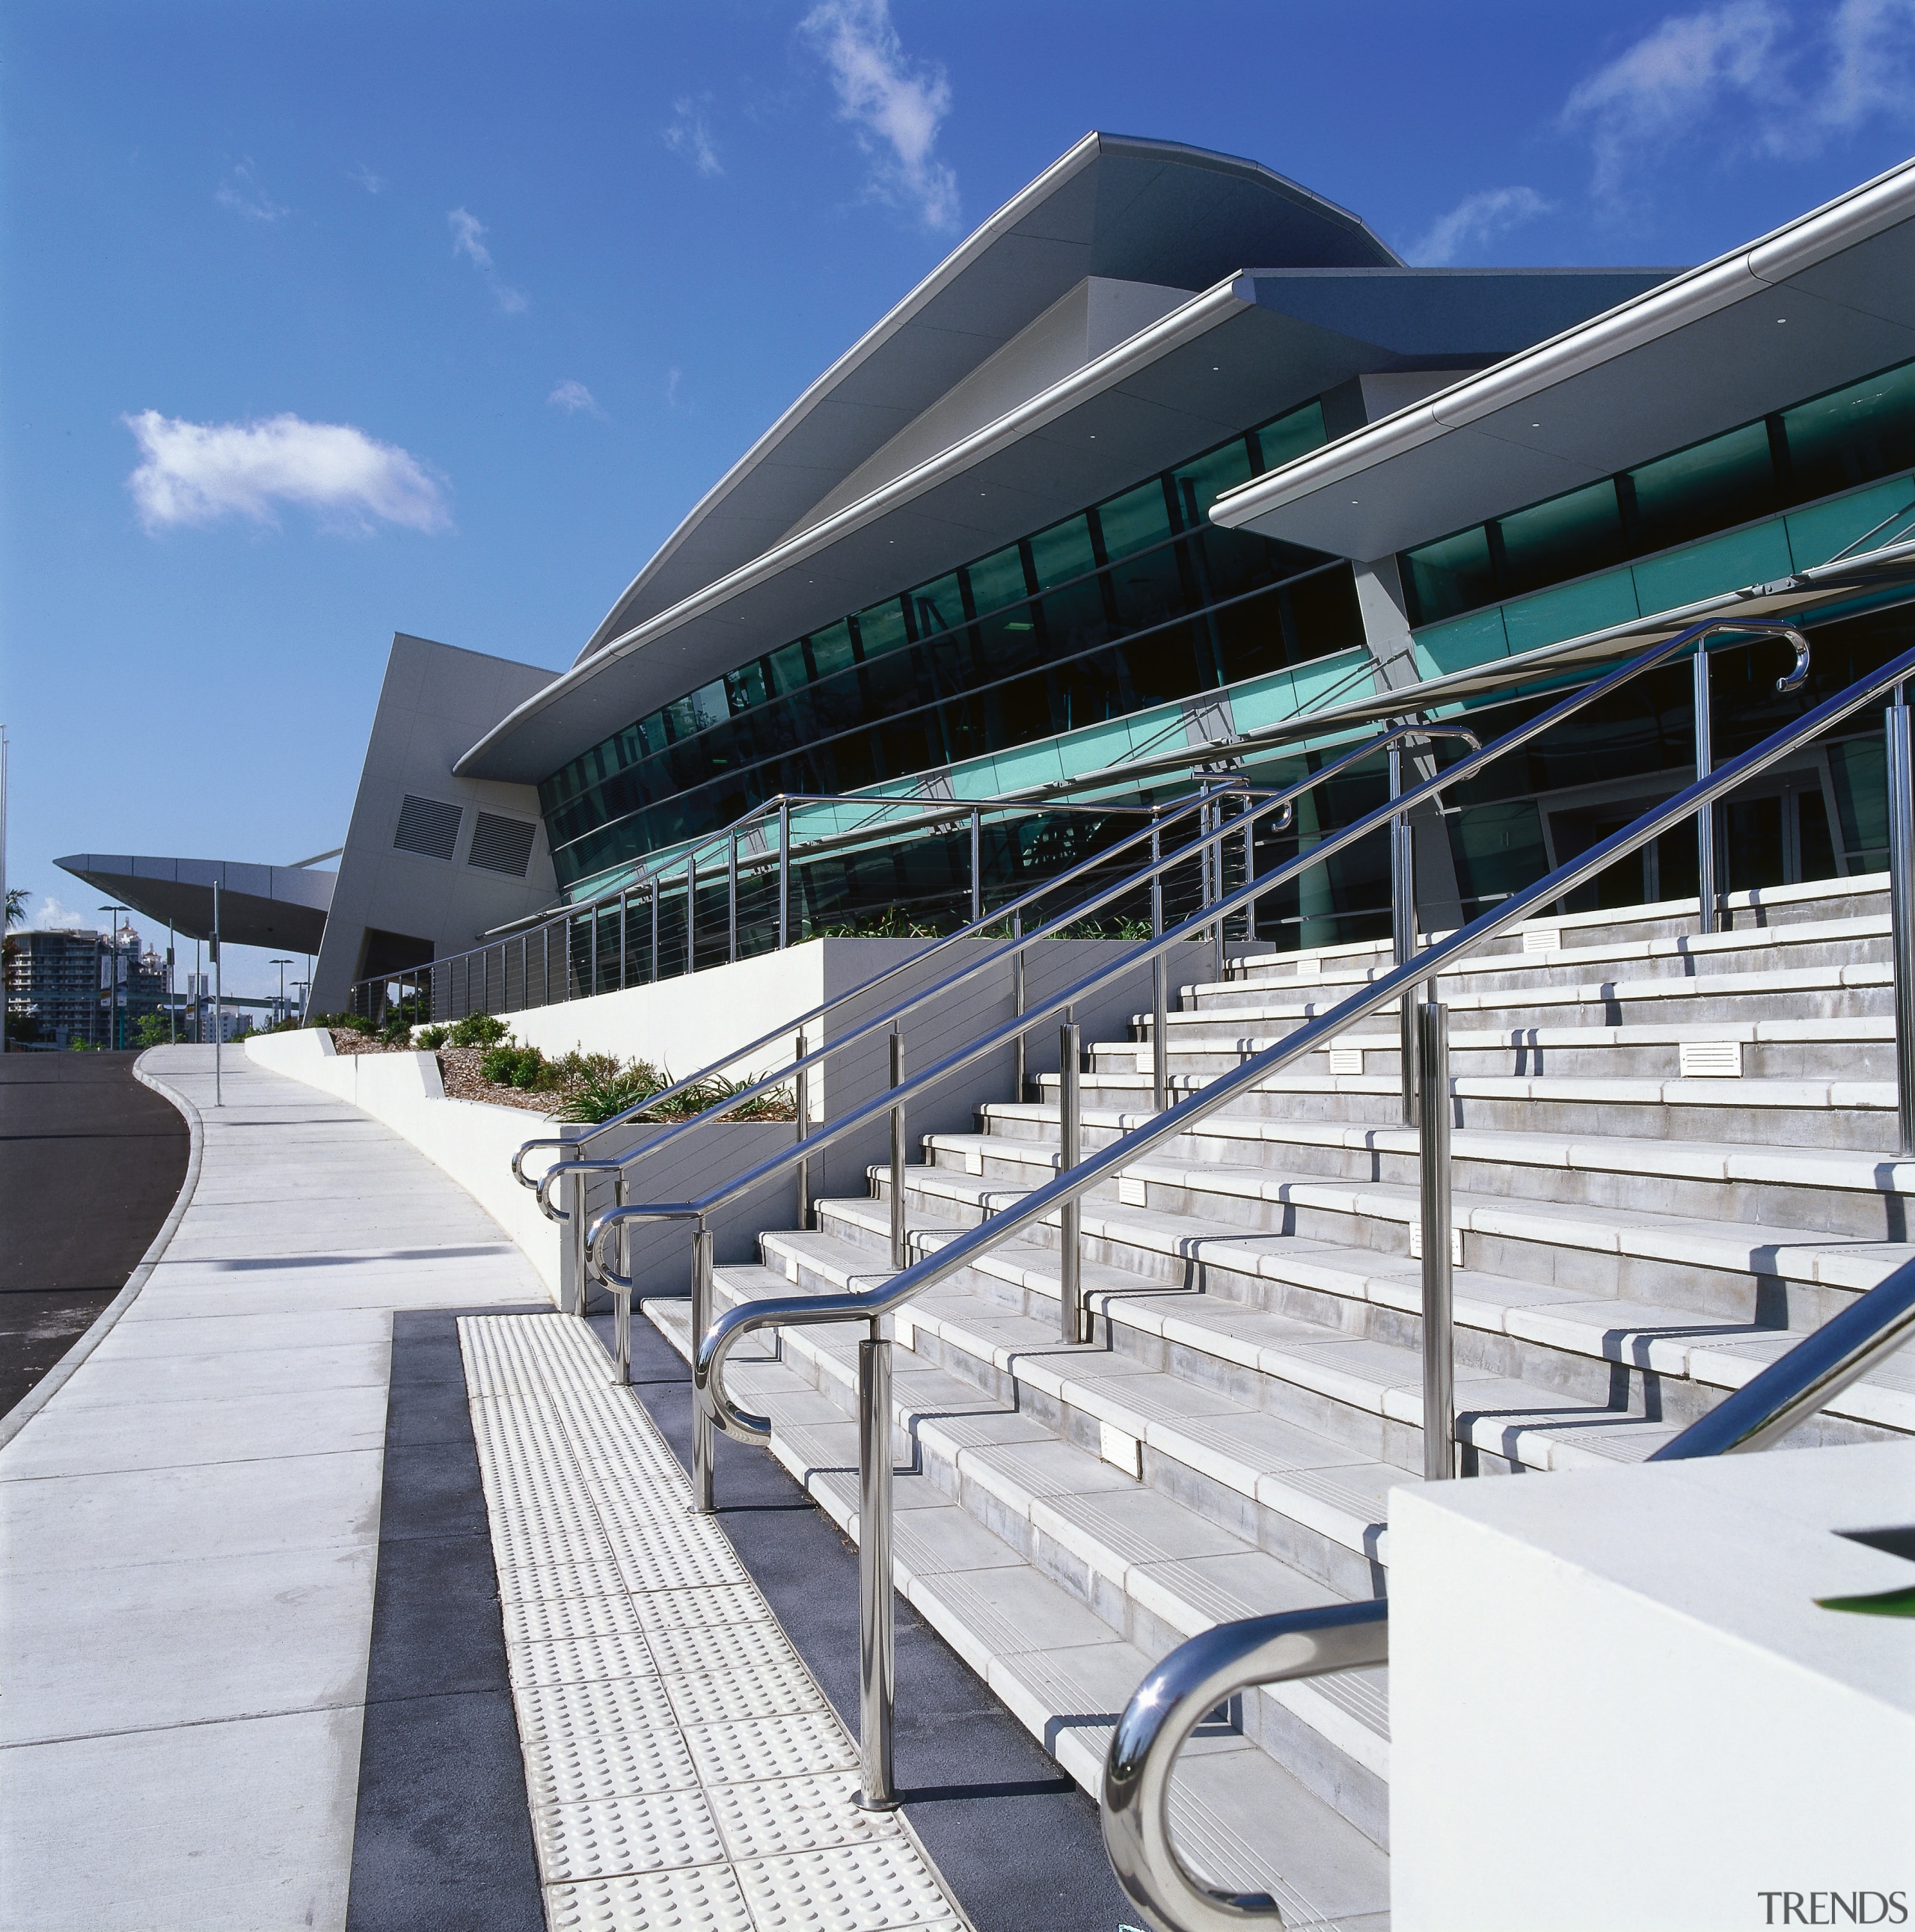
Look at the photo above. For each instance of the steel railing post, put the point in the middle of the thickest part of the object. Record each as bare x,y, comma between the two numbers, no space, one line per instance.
900,1257
575,1199
1403,930
1705,816
977,864
1159,983
802,1109
732,900
1070,1151
1433,1149
654,980
691,908
702,1485
624,921
592,984
622,1297
1017,1005
1213,878
784,875
1901,905
877,1663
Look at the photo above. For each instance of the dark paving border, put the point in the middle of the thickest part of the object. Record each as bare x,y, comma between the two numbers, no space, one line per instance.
1017,1840
91,1161
443,1836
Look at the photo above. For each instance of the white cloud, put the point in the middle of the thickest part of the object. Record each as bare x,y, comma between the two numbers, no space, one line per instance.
373,184
469,240
572,396
241,192
198,472
1476,221
689,135
1743,78
672,381
50,916
1870,43
896,106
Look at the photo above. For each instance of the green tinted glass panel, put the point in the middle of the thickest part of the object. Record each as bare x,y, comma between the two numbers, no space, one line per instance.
937,606
1290,437
1135,520
1200,483
881,628
1864,431
787,667
745,686
997,580
1062,552
1729,479
1568,536
1451,575
831,650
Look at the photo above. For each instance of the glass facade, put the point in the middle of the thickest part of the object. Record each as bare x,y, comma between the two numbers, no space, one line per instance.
1850,436
1136,601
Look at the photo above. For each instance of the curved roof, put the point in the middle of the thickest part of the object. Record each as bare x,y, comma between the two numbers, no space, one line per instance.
1115,207
1821,301
259,905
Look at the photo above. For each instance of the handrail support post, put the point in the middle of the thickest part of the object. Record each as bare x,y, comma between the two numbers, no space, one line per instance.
877,1666
1070,1151
1705,816
1901,762
900,1257
1403,930
802,1109
702,1431
1433,1149
622,1297
581,1278
1159,983
976,863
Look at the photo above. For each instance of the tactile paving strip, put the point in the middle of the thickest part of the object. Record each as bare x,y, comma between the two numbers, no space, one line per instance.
682,1768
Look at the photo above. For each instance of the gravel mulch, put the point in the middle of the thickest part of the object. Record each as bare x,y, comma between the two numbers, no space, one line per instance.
458,1072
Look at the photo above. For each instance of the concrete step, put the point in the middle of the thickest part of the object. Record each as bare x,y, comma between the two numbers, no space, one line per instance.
991,1514
1827,943
1859,1115
1760,909
1848,1049
1854,990
1558,1339
1858,1195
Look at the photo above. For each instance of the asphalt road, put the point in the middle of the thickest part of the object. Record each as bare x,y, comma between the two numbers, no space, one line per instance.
90,1163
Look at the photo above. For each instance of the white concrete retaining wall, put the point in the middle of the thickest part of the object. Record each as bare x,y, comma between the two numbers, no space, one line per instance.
474,1141
1617,1706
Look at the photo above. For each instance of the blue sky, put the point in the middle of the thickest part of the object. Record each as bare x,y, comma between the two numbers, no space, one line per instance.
325,321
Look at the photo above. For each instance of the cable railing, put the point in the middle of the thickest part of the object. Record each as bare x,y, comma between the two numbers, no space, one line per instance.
1205,846
618,939
1206,807
1077,1177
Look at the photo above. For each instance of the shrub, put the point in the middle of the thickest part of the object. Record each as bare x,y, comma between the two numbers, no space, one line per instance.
397,1030
506,1065
430,1038
477,1030
598,1091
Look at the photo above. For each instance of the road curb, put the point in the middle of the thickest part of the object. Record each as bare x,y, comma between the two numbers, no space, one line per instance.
42,1391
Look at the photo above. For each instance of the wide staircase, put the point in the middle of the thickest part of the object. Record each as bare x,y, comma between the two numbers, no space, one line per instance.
1673,1156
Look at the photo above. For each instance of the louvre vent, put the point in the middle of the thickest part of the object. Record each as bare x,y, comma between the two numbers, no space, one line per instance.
1346,1060
1710,1059
1543,939
428,827
501,844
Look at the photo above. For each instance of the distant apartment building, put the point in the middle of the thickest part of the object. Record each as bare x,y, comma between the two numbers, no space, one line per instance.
77,986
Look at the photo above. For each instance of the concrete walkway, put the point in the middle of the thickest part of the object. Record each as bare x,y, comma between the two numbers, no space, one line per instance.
190,1527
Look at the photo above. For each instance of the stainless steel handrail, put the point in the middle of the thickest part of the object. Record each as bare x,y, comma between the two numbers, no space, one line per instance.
1213,831
1231,1658
1210,915
1012,909
1108,1162
1237,900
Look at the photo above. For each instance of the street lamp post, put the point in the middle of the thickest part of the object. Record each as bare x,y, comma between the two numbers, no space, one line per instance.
113,985
280,1010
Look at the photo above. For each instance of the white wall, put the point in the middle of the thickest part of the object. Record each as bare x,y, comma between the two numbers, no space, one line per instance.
1616,1705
